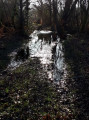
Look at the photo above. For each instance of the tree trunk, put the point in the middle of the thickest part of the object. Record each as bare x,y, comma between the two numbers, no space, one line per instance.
27,12
21,25
59,27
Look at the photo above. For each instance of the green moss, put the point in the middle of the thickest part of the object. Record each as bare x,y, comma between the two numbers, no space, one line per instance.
7,90
48,99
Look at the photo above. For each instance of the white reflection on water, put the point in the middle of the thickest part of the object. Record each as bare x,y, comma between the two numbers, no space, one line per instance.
48,48
43,46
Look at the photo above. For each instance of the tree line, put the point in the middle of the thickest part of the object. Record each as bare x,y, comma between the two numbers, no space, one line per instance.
62,15
65,15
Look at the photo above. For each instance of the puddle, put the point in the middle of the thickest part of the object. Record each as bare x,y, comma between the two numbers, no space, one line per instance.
46,46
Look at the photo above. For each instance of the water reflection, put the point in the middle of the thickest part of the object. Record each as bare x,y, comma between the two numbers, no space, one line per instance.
59,64
41,46
50,52
47,47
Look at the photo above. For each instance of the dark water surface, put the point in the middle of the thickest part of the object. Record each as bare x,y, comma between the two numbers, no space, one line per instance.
46,46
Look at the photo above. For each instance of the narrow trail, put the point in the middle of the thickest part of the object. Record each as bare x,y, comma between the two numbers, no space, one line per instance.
40,85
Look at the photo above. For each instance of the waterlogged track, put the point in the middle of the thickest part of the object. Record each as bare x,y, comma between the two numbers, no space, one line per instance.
28,91
46,46
41,83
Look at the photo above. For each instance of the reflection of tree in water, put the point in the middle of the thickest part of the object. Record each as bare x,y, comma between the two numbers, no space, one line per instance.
48,38
45,37
57,56
58,62
54,37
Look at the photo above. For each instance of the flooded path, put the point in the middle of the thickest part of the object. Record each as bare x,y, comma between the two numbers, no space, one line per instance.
38,82
65,93
46,46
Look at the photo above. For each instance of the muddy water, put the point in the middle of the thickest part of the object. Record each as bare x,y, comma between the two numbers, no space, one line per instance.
46,46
